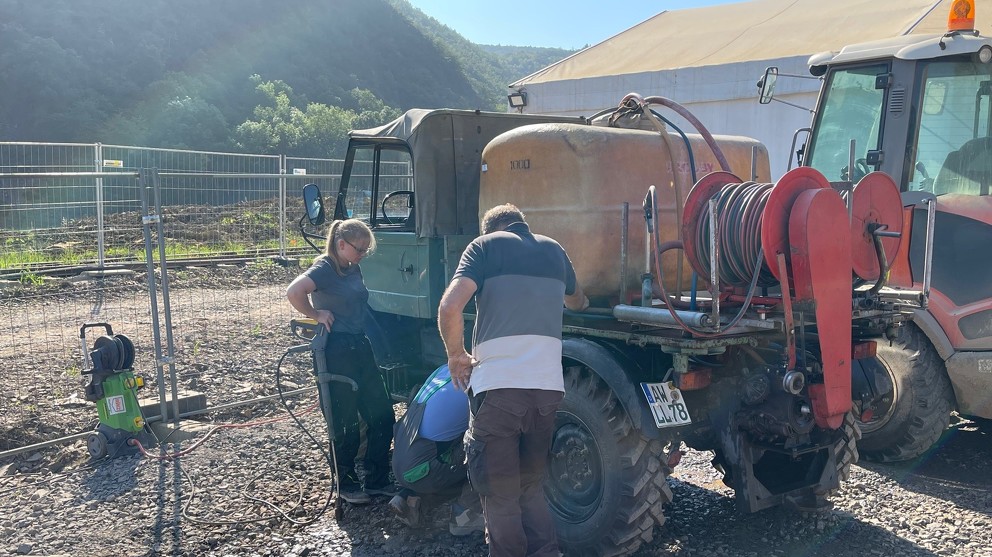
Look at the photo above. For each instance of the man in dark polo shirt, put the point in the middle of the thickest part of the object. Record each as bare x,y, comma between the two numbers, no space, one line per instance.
513,375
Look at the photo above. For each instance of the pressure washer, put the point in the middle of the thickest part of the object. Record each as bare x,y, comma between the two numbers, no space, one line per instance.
316,335
113,387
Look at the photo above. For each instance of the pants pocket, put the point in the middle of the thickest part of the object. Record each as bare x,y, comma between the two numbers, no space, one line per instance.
478,470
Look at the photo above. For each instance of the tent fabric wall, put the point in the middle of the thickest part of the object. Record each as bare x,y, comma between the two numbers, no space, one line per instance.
756,30
710,59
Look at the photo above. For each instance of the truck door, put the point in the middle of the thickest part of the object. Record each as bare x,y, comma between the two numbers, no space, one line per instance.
378,187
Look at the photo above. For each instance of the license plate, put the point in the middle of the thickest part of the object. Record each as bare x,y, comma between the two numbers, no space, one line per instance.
666,404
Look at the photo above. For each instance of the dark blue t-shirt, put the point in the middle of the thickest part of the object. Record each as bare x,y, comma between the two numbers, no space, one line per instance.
345,296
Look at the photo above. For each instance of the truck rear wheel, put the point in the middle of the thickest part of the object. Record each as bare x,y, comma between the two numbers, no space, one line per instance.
606,483
909,420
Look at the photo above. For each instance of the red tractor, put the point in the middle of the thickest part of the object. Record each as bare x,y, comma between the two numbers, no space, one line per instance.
919,108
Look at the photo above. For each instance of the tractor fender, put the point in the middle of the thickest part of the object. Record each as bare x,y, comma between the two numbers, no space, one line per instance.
931,328
616,371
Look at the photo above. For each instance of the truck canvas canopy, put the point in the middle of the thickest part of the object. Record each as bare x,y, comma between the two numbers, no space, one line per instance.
446,151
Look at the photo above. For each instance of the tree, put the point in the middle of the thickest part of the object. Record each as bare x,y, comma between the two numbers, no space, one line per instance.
318,130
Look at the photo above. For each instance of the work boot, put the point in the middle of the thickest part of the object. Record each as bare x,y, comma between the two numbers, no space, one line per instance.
466,523
350,489
353,493
387,489
406,509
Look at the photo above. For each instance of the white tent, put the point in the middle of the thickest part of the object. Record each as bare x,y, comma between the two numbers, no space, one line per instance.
710,59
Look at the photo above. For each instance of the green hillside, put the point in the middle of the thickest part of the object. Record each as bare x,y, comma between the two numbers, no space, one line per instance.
249,75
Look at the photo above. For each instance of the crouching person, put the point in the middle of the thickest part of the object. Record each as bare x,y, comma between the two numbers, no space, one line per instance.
428,458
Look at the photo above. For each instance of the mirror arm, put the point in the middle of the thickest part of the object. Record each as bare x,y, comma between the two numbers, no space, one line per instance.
810,110
309,235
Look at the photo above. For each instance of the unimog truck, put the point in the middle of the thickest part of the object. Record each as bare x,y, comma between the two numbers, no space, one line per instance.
919,108
726,310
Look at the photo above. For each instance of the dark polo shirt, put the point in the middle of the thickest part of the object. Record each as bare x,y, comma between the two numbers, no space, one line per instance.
522,281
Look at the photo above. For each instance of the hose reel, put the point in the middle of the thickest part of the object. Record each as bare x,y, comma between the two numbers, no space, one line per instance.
754,218
112,353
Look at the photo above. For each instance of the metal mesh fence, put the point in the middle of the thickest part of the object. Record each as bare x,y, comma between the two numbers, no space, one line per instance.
223,215
216,204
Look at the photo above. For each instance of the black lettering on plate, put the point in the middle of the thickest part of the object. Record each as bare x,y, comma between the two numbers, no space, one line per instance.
523,164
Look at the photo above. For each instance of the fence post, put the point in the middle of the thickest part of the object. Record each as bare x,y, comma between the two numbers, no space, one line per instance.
282,206
97,167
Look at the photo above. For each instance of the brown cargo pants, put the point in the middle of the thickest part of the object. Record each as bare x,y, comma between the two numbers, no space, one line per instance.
508,440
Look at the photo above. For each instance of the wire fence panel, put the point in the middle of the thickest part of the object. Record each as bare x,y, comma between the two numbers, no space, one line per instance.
39,216
216,205
223,216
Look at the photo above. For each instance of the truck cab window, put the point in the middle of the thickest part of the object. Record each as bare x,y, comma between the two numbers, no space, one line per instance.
394,194
851,109
381,173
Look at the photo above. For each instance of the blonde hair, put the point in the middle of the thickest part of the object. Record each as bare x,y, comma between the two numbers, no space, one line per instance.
352,231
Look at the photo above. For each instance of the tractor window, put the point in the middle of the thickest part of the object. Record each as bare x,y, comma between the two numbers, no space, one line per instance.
381,173
850,109
954,150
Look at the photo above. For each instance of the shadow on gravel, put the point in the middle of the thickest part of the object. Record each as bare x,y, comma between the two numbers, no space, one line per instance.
373,532
702,521
958,468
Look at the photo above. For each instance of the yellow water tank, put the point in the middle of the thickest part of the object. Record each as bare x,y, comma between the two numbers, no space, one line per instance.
572,180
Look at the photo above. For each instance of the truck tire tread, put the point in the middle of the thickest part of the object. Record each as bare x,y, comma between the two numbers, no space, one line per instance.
643,489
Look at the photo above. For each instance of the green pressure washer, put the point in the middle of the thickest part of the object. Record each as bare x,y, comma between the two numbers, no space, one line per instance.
113,387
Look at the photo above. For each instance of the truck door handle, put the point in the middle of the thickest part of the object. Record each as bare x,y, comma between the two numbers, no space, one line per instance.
407,269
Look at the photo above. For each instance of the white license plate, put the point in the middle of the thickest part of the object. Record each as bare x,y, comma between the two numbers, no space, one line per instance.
666,404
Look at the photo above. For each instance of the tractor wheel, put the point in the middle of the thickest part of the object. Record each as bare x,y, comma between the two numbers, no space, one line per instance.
845,449
606,482
912,417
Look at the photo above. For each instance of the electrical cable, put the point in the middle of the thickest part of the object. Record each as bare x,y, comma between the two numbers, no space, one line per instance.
280,513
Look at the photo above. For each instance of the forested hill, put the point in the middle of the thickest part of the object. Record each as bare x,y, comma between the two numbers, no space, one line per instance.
244,75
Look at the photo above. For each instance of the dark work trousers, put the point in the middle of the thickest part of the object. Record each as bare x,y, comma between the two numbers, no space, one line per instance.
351,356
508,440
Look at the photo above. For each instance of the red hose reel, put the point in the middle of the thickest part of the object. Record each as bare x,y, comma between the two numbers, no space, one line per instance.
806,222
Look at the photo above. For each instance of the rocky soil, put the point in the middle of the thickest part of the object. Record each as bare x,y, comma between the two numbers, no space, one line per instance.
261,489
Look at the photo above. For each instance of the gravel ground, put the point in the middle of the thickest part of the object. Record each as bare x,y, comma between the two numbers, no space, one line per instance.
259,489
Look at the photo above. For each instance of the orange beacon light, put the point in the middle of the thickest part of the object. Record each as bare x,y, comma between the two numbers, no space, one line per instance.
961,16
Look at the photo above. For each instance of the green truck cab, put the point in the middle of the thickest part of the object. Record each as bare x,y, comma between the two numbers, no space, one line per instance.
415,180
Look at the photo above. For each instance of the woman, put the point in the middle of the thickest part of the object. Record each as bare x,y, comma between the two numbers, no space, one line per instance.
333,293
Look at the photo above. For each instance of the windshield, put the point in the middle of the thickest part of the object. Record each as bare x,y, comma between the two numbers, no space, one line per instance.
851,109
953,153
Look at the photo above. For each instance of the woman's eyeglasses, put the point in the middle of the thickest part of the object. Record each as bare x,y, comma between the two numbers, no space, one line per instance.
360,251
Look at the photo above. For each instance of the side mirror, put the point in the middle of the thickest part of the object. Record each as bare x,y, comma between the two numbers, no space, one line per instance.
766,85
314,204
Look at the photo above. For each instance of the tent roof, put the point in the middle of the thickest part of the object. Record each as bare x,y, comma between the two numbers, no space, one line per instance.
755,30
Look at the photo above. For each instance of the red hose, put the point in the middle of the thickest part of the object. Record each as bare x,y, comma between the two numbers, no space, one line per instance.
170,456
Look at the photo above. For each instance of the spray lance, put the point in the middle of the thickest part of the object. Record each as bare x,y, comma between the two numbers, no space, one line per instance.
316,333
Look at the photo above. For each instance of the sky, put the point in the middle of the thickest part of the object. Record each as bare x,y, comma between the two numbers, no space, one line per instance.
570,24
